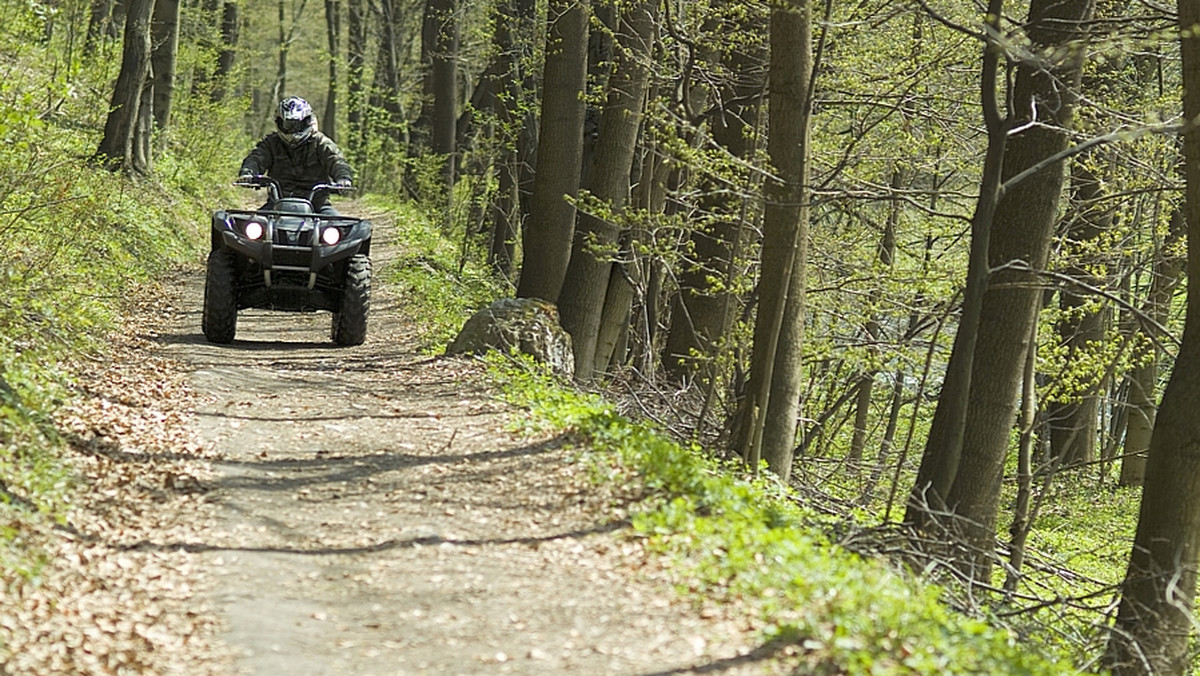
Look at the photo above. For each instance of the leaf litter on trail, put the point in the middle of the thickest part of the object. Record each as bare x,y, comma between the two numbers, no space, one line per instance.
116,594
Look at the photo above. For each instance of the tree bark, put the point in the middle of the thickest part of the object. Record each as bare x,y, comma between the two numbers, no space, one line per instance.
1021,234
1141,400
944,446
1155,617
547,242
700,314
356,62
444,82
333,33
228,53
585,287
117,147
165,35
773,403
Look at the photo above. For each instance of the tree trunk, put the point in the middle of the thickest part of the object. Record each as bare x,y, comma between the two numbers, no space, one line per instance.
117,147
1141,401
944,446
228,53
582,299
513,40
385,94
333,31
1073,418
547,241
1155,617
773,403
165,33
356,62
443,79
700,314
143,131
99,24
1021,234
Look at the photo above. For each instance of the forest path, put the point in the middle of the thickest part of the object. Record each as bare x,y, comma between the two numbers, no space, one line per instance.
372,516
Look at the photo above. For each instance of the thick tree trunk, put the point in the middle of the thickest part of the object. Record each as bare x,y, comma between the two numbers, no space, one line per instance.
165,33
585,287
1021,233
117,147
773,403
548,235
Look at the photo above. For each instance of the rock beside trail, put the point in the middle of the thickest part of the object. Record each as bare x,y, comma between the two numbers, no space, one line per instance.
528,324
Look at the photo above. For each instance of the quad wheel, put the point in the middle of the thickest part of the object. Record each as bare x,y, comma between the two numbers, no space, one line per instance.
219,320
350,321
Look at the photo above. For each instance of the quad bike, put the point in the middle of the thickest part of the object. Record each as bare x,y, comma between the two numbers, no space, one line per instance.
289,258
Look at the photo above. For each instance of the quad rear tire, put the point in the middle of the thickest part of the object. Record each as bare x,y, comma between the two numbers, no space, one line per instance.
350,321
219,320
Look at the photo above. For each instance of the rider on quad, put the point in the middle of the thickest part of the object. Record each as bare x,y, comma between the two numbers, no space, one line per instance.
298,156
296,253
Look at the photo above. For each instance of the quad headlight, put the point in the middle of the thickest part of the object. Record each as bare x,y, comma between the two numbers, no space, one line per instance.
331,236
254,230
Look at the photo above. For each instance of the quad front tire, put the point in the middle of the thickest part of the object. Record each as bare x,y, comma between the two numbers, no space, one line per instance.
350,321
219,321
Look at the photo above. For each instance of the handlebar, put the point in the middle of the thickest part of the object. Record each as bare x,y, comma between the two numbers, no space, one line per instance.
260,181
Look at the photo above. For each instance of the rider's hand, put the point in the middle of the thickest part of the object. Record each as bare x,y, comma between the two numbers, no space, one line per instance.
343,183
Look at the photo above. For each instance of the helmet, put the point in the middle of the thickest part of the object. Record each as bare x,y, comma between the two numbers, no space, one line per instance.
294,119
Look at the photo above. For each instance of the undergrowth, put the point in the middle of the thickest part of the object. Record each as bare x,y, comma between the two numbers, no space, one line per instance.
74,239
432,274
741,539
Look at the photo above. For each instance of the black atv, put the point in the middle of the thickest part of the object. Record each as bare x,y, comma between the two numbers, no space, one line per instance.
288,258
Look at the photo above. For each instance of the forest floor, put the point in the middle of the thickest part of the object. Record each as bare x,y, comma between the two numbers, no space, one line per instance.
283,506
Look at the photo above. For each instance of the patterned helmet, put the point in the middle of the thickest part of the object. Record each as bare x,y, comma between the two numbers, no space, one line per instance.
295,121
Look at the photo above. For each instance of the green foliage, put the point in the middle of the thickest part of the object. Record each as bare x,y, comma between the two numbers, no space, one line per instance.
74,241
746,541
431,275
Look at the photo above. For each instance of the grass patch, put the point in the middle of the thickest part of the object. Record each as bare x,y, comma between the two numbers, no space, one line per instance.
736,539
432,274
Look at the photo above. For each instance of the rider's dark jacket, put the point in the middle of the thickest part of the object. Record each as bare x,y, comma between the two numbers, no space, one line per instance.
316,160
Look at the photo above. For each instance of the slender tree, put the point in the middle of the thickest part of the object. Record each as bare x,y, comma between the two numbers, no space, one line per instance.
1141,394
701,309
1156,615
772,404
227,53
356,62
333,33
444,83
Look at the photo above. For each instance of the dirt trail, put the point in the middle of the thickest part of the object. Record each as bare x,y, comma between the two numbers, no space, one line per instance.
373,516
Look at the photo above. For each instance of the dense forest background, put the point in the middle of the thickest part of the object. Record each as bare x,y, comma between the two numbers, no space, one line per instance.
923,261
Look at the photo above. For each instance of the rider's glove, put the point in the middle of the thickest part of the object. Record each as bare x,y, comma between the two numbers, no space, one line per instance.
342,183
